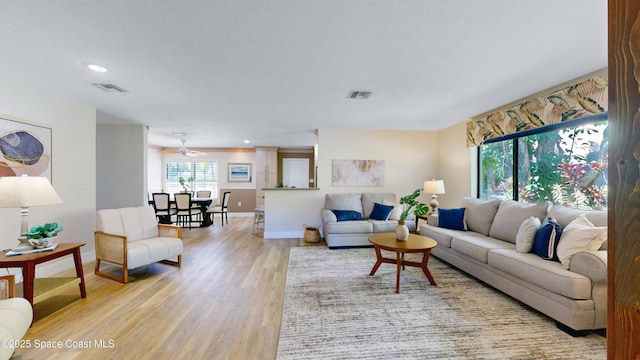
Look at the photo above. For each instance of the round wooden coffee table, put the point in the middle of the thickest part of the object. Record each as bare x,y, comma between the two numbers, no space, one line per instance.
415,244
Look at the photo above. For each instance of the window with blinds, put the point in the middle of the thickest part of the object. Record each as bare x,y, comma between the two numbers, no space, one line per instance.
198,175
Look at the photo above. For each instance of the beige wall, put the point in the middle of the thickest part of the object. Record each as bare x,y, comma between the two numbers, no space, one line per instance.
410,157
73,164
456,165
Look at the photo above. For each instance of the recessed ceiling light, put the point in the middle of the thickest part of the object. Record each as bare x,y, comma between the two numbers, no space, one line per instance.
247,141
97,68
178,133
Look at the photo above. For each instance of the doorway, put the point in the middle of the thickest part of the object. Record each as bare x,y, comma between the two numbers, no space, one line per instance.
295,172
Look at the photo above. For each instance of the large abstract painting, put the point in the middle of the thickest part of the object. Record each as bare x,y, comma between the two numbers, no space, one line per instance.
24,149
357,173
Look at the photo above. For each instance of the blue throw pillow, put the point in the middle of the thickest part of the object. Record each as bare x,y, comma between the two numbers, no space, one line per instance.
547,239
380,212
452,219
347,215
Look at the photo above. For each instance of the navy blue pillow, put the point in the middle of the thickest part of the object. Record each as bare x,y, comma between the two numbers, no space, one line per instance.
380,212
547,239
346,215
452,219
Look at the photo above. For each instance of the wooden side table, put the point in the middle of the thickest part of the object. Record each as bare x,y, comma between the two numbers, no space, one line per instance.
414,244
34,289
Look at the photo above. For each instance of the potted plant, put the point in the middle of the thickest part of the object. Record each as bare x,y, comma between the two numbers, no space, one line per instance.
409,202
186,184
39,235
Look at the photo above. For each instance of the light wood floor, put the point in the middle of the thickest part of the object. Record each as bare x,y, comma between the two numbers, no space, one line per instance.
225,302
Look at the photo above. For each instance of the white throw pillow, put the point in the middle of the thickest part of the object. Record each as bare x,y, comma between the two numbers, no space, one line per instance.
397,209
526,234
579,235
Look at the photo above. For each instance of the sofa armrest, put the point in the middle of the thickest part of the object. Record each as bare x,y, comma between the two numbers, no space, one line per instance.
170,231
111,247
592,264
328,216
7,286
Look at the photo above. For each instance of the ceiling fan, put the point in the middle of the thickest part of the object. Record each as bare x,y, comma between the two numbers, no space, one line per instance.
184,151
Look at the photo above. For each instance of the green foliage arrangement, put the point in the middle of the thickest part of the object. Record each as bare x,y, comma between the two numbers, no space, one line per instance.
186,184
410,202
44,231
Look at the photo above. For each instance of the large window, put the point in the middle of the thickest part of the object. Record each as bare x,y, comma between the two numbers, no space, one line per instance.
196,175
563,166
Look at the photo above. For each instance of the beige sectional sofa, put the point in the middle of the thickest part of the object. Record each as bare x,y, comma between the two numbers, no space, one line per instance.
356,232
575,297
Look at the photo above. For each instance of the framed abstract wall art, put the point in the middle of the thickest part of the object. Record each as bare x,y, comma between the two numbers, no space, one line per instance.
357,173
24,149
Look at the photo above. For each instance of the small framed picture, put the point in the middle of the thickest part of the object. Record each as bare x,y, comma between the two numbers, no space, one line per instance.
239,173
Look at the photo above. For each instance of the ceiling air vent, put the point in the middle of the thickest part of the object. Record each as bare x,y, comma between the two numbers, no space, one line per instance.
357,94
109,87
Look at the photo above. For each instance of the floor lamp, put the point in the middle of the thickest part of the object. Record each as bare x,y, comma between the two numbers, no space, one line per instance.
24,192
434,187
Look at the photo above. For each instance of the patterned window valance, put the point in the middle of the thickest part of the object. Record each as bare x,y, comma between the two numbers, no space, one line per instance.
577,101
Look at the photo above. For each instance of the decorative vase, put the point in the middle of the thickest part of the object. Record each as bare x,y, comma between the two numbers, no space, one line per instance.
402,231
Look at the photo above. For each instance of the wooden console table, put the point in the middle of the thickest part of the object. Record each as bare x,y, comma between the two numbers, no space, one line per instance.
34,289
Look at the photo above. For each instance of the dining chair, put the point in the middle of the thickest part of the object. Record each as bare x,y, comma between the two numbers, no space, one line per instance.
185,209
258,217
203,194
221,209
162,206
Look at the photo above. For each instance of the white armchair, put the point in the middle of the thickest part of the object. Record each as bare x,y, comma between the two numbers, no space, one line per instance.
131,237
16,315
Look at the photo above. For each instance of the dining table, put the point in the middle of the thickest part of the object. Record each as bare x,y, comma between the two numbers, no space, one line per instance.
203,204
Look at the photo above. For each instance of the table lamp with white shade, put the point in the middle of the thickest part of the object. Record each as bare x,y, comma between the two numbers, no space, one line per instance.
24,192
434,187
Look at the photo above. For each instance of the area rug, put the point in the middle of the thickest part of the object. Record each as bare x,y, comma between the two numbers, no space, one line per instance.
333,309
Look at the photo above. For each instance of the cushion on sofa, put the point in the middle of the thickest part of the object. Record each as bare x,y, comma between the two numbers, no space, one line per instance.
510,216
349,227
390,226
527,234
546,274
453,219
477,246
547,238
380,212
397,209
564,215
147,251
134,222
348,215
441,235
369,200
579,235
480,213
343,202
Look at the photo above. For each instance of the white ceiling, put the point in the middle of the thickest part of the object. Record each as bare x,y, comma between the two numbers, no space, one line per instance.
274,71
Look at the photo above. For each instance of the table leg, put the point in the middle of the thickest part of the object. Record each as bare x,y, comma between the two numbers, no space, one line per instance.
424,268
378,261
78,261
28,280
399,261
206,217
